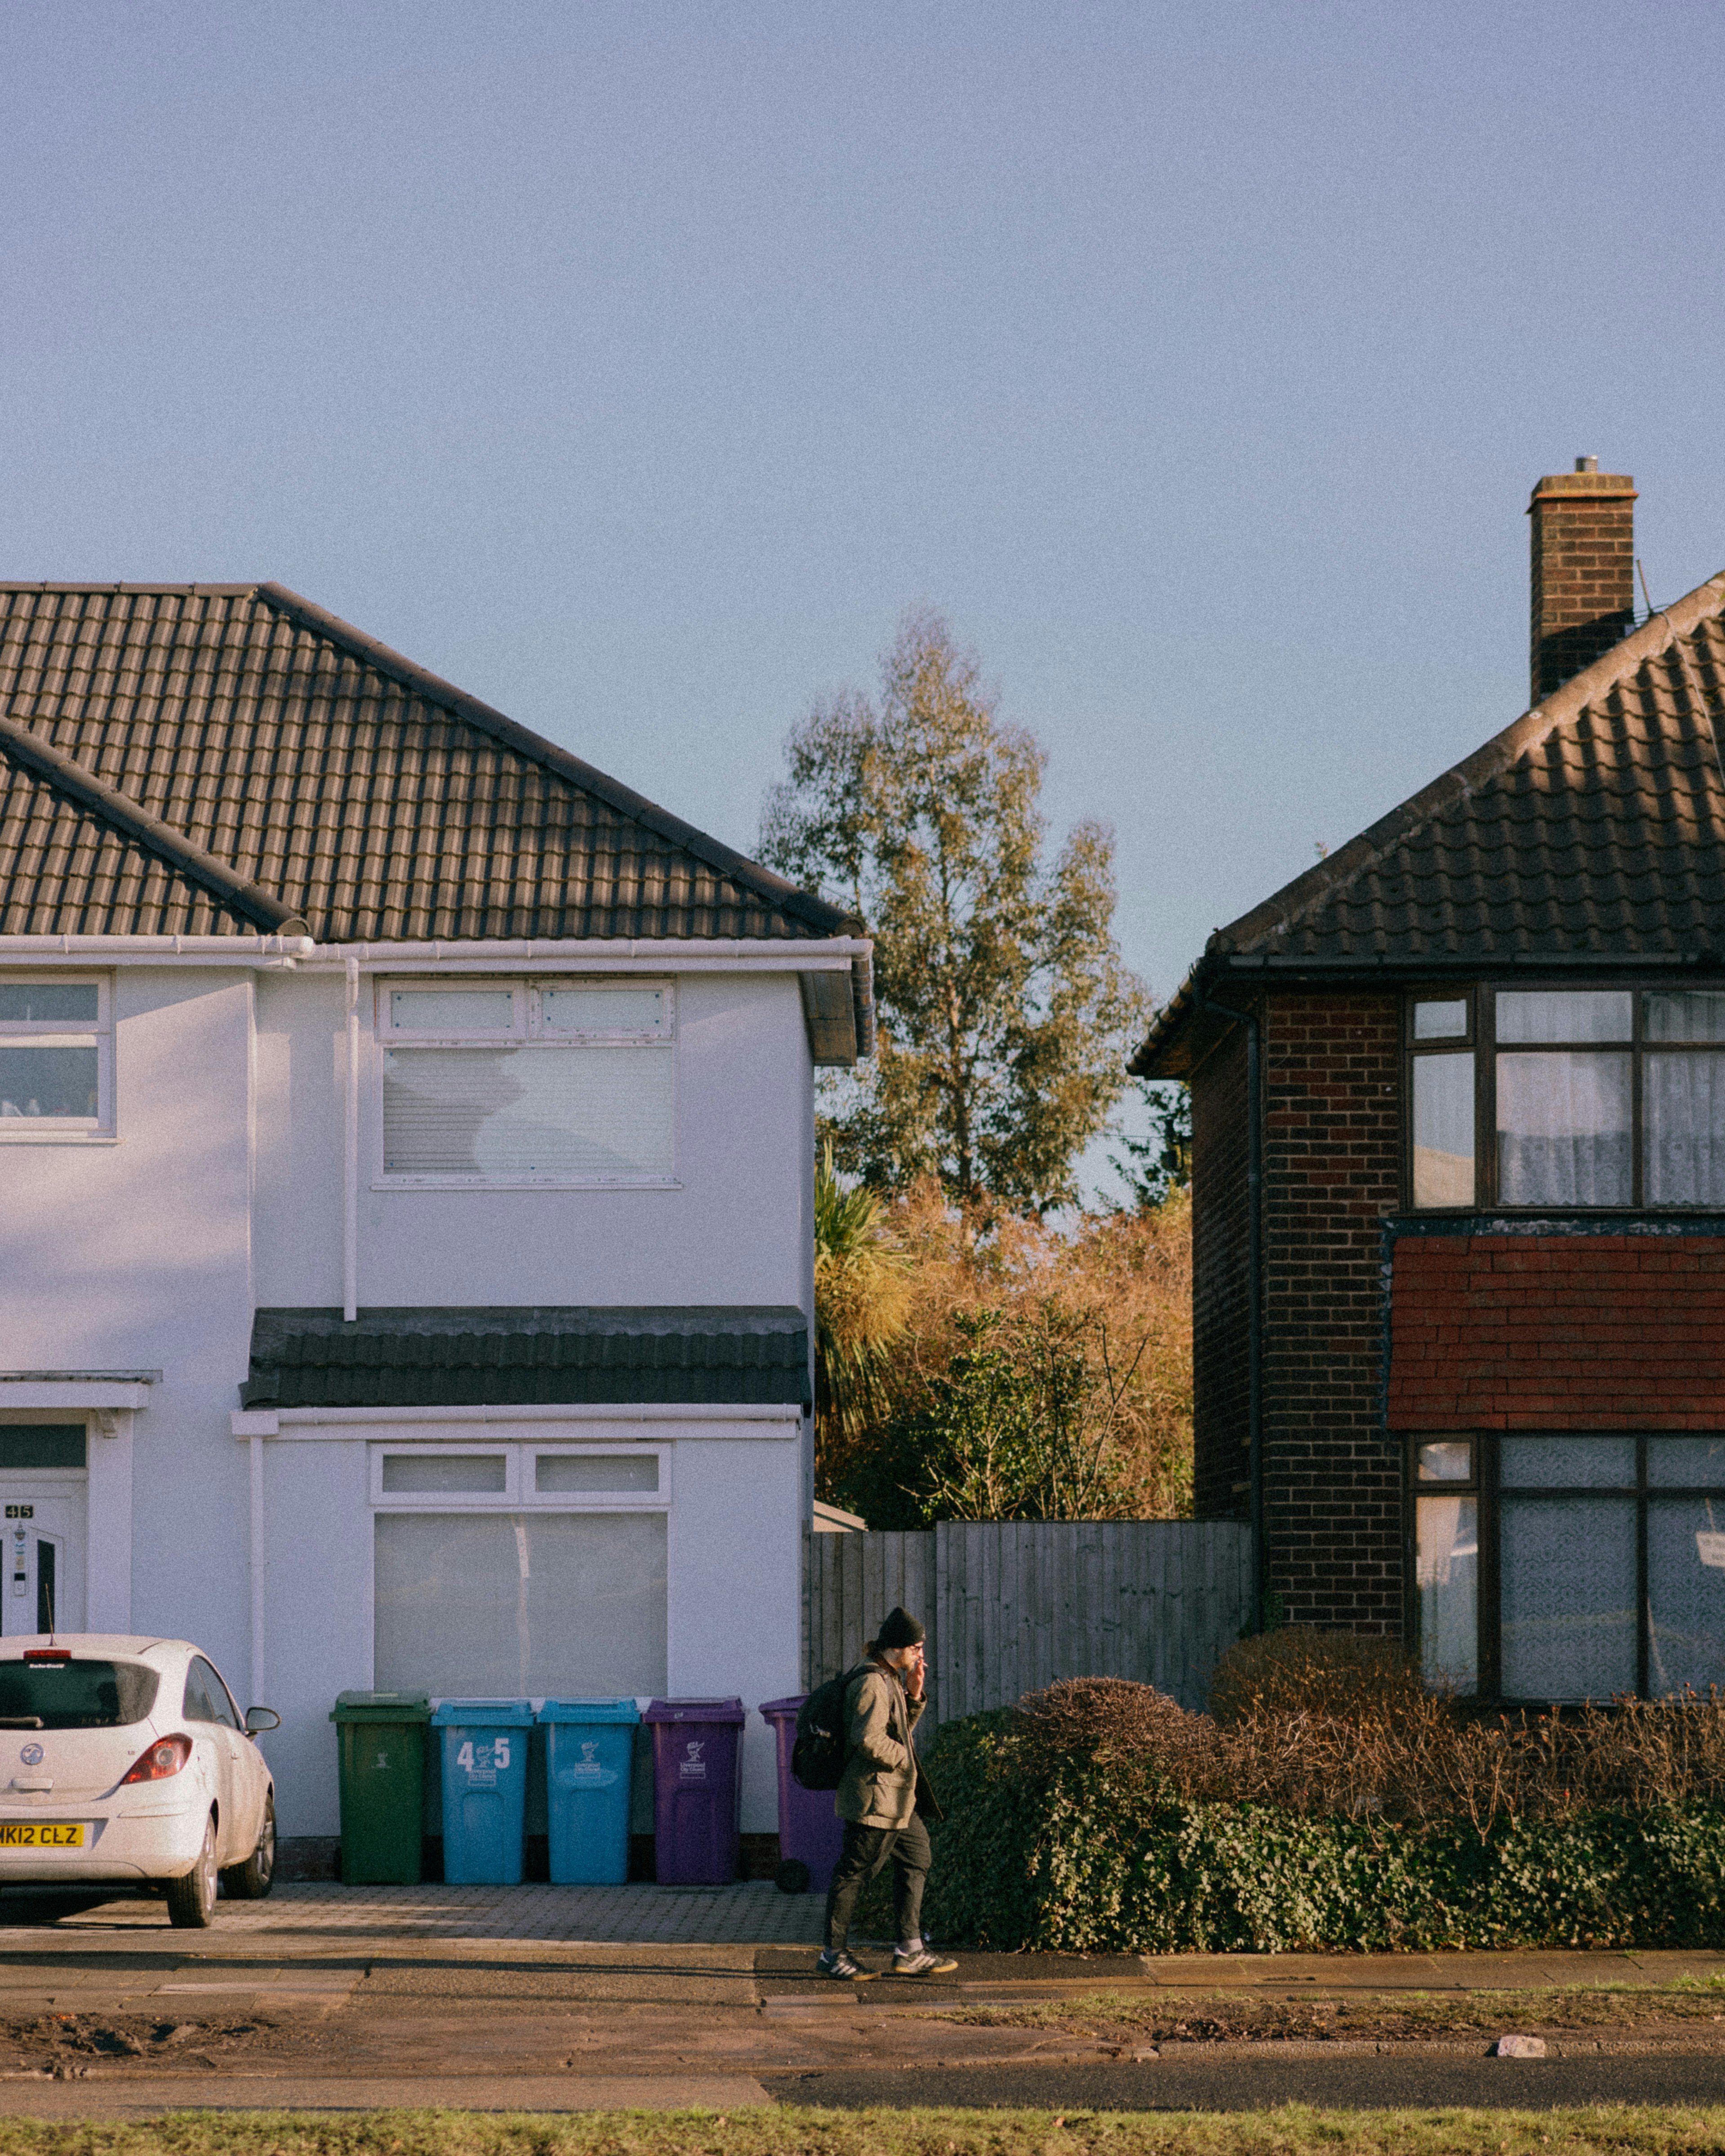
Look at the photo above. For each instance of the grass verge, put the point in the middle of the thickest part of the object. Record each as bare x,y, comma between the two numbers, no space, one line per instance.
1219,2017
1291,2130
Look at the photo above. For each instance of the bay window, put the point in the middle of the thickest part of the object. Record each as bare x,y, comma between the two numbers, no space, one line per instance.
1563,1567
1557,1099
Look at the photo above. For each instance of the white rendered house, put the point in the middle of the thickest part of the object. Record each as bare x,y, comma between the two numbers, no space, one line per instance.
406,1182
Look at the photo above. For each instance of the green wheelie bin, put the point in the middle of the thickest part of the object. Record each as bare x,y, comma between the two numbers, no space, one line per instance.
382,1735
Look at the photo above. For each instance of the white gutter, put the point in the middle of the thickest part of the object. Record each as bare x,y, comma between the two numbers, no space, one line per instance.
255,950
273,1422
685,954
608,954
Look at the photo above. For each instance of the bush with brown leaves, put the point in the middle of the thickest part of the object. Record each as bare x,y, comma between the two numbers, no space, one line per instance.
1363,1739
1300,1669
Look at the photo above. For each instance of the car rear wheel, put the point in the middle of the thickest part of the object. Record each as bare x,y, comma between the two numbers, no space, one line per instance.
192,1901
251,1881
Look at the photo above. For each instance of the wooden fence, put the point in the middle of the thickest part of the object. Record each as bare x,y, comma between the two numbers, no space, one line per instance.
1011,1605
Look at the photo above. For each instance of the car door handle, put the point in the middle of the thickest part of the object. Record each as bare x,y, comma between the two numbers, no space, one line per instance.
31,1782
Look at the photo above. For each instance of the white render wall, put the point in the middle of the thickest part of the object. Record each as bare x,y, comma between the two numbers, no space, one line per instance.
734,1547
223,1192
733,1233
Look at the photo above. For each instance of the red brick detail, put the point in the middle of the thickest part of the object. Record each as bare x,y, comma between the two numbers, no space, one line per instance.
1558,1333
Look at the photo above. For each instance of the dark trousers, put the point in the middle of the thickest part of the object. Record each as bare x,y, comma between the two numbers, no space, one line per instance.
866,1852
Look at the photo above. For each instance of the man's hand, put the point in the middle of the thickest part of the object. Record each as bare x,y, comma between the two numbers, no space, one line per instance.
913,1673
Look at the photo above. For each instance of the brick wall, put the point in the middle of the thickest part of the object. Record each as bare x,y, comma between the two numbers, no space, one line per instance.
1332,1151
1583,592
1558,1333
1219,1416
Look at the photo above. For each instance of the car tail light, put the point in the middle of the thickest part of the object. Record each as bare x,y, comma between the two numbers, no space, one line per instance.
48,1654
166,1757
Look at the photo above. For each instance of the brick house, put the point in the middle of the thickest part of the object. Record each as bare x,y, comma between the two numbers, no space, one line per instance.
1458,1173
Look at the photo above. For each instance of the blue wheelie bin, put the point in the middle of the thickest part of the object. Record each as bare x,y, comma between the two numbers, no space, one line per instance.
590,1745
484,1787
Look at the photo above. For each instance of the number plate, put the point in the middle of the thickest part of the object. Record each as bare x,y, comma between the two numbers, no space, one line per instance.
40,1834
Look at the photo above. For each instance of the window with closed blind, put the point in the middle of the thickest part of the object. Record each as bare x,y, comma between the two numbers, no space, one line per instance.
523,1082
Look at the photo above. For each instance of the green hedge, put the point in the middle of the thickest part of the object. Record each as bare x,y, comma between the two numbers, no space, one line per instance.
1075,1857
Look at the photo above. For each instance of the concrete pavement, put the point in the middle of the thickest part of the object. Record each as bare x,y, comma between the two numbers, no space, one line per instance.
551,1998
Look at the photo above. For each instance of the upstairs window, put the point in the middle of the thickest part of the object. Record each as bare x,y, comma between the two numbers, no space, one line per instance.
1565,1099
489,1081
56,1057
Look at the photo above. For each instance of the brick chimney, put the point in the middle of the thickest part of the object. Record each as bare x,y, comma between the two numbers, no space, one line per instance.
1584,570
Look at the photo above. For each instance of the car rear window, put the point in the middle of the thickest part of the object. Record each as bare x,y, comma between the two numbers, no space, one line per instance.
75,1694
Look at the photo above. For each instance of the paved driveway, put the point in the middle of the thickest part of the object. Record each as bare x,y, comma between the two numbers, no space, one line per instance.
754,1914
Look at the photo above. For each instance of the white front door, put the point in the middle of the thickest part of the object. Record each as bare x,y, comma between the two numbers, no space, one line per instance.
42,1517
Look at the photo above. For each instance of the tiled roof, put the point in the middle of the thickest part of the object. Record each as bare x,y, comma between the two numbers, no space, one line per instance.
524,1355
212,756
1592,829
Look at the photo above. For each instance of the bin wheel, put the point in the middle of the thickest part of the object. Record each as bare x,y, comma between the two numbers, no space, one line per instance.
792,1876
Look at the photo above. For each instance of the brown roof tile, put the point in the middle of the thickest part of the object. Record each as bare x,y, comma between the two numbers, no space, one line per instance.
345,784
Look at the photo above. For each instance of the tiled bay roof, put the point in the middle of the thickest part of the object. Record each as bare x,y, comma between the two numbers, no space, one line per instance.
208,759
1590,830
497,1357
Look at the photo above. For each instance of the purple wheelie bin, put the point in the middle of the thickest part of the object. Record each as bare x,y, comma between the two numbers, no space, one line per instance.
697,1791
810,1832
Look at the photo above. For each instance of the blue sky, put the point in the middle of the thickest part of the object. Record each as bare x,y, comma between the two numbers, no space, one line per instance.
635,365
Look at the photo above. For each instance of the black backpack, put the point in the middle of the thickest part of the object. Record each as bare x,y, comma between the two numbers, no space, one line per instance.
818,1757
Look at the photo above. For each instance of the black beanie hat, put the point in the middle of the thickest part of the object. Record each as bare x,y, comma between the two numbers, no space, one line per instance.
899,1629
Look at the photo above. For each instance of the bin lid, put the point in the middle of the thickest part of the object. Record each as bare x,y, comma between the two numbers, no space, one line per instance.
782,1709
695,1710
381,1706
588,1710
483,1714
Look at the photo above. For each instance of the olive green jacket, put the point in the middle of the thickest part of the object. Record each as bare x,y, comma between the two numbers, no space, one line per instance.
879,1785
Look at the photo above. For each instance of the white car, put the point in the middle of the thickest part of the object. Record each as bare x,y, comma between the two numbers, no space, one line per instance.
125,1759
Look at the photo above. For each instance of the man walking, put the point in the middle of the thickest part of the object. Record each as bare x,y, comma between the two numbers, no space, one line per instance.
881,1799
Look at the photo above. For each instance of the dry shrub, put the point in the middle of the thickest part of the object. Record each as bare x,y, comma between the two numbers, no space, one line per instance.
1330,1726
1300,1669
1113,1718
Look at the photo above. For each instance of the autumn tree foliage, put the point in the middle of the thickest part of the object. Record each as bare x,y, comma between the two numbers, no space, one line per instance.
1042,1372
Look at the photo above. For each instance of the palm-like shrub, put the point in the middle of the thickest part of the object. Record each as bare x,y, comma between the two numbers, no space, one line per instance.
862,1299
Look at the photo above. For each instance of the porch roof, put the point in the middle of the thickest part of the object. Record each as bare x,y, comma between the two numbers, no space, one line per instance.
590,1355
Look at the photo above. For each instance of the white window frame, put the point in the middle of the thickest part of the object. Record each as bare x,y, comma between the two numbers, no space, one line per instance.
520,1493
526,1031
33,1033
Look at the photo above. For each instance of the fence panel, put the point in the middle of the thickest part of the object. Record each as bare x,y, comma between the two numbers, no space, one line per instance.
1012,1605
853,1581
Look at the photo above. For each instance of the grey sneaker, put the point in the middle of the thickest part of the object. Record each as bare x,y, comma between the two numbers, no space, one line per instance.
839,1964
921,1963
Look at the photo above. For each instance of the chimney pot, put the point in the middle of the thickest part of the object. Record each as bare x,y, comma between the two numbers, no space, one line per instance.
1584,570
